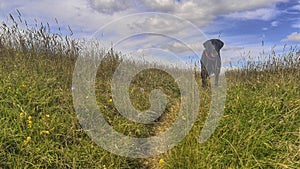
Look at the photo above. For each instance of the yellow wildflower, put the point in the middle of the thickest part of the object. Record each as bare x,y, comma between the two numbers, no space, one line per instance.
29,121
161,162
110,100
27,140
22,114
44,132
29,124
46,117
23,85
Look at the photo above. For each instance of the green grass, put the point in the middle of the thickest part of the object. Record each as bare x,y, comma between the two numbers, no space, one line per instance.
260,127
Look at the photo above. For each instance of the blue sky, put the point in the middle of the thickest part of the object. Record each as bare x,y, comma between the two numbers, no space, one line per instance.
242,25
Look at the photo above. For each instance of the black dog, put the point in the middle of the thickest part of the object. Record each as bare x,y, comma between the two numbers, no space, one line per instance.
211,60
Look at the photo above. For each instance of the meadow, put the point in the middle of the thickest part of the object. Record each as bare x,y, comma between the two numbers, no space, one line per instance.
40,129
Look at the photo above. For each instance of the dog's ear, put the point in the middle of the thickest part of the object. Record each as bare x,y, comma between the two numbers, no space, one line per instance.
218,44
207,44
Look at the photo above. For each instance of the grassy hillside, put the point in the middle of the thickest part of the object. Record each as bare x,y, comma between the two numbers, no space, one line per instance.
39,127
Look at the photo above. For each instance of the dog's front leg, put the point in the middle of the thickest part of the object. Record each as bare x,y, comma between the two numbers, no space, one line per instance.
204,76
217,79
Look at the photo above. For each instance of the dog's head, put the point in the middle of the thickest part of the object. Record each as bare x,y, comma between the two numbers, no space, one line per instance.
213,46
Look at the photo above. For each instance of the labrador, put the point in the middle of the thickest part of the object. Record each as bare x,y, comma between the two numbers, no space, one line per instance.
211,60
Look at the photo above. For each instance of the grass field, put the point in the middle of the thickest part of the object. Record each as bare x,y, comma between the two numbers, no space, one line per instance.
39,127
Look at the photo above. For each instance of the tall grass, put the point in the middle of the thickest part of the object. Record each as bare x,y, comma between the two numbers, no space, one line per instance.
40,129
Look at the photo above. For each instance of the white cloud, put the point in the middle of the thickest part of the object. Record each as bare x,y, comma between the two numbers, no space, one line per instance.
294,37
111,6
296,25
199,12
177,47
296,7
257,14
274,23
161,5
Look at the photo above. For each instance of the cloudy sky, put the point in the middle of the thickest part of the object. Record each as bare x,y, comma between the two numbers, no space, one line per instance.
171,29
